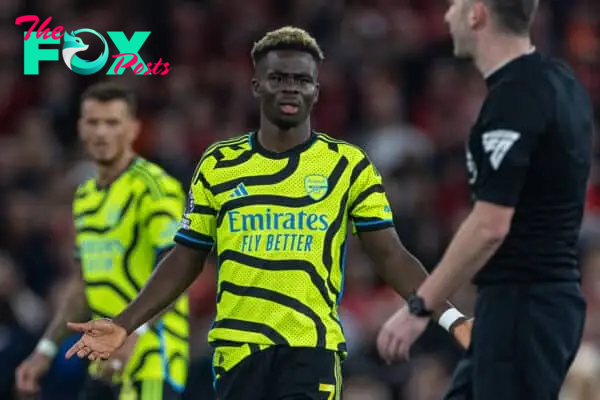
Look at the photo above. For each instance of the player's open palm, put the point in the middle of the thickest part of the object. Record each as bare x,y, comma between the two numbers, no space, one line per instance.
101,338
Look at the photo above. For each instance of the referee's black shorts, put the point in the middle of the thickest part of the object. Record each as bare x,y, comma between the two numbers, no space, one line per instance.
524,340
283,373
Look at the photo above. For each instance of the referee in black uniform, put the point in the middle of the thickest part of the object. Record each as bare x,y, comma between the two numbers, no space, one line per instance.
528,158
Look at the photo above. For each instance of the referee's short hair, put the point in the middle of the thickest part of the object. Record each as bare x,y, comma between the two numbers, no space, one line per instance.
514,16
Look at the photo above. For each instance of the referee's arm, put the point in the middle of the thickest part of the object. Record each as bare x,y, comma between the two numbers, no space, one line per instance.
514,118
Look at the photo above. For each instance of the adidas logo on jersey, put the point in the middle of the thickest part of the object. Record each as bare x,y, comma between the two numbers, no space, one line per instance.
498,143
239,191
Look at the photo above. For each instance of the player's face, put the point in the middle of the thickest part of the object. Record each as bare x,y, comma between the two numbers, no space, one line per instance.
286,84
458,17
107,129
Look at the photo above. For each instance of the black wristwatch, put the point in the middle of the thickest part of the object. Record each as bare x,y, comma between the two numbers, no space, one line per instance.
416,306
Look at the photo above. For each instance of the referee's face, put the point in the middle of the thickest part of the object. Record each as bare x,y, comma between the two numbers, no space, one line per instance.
458,17
286,85
107,129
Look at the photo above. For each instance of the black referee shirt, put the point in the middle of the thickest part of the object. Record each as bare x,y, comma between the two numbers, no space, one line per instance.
531,149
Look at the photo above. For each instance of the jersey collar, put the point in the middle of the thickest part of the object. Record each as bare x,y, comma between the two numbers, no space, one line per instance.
275,155
497,69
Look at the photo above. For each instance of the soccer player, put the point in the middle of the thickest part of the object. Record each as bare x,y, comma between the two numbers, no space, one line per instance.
125,219
528,156
276,204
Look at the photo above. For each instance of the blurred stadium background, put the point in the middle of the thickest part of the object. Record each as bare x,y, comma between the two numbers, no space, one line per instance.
389,84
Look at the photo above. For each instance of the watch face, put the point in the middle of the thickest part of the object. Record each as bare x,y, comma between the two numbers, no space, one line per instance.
416,306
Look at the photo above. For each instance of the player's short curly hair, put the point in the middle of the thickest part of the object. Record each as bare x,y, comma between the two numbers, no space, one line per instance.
287,38
108,91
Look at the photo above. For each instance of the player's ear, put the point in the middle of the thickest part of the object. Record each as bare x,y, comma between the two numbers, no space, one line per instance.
135,129
317,91
256,88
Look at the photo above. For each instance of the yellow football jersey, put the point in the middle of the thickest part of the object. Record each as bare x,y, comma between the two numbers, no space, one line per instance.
279,224
121,230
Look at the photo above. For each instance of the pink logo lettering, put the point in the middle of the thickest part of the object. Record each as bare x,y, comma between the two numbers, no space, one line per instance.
55,34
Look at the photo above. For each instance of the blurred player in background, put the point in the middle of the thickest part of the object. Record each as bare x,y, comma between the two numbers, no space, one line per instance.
125,219
277,204
528,156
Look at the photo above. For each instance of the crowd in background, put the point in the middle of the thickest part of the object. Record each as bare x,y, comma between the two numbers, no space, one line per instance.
389,84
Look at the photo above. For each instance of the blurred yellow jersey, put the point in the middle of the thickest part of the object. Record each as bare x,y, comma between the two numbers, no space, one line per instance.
121,231
279,224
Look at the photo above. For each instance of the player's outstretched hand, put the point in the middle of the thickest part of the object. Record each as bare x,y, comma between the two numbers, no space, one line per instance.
101,338
462,332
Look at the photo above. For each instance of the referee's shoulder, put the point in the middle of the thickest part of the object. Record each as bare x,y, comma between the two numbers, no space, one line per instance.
351,151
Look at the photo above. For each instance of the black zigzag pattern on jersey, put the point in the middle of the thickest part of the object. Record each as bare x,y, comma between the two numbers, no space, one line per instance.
254,327
358,169
284,201
130,278
156,214
107,228
377,188
203,210
127,265
280,265
242,158
164,194
136,368
337,223
334,228
234,143
126,299
94,210
258,180
279,298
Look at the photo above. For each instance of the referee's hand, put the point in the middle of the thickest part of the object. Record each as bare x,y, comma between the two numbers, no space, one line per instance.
462,332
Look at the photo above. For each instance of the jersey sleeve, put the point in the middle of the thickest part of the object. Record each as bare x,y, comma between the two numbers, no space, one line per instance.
513,120
369,209
160,218
198,224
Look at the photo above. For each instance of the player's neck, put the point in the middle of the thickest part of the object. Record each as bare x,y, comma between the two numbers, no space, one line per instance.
107,173
499,50
274,139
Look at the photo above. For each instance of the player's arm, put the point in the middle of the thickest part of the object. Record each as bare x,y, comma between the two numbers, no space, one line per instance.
515,119
73,307
180,267
372,221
